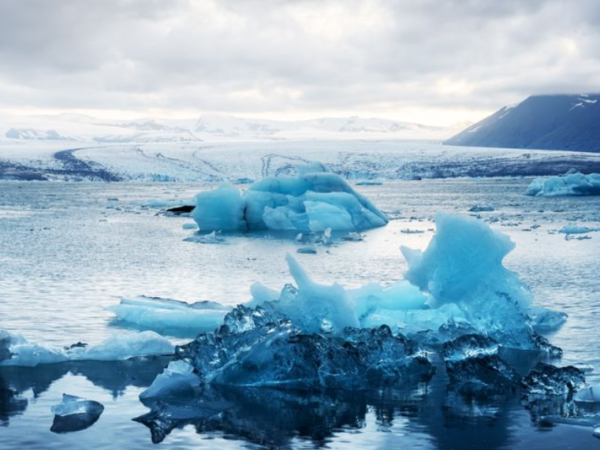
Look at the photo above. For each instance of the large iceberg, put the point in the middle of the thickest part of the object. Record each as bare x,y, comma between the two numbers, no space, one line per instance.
114,348
457,286
313,201
570,184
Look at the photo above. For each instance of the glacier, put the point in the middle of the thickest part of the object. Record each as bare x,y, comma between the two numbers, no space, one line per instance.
20,352
573,183
313,201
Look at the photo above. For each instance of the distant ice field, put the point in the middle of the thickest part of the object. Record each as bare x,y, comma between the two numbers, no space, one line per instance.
231,161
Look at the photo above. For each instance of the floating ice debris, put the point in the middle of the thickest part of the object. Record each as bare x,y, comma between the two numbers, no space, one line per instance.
75,414
411,231
313,201
189,226
307,250
213,237
544,320
576,229
590,394
114,348
596,432
482,208
353,237
569,184
369,183
166,315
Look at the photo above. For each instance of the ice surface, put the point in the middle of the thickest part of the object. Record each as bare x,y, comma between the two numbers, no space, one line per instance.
75,414
569,184
114,348
576,229
314,201
166,315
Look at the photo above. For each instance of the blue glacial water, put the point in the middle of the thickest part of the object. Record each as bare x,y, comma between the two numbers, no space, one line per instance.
69,250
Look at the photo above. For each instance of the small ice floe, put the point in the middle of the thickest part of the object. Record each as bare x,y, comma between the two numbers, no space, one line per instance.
210,238
596,432
482,208
171,316
310,250
189,226
75,414
573,183
411,231
577,229
369,183
353,237
115,348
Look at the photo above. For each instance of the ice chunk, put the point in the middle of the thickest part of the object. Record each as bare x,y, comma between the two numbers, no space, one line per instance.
569,184
114,348
312,202
463,265
590,394
178,377
75,414
220,210
170,316
544,320
576,229
481,208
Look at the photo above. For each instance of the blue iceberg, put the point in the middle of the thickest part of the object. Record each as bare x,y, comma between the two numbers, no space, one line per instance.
314,201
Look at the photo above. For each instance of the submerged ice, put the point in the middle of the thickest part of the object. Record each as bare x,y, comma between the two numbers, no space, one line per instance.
313,201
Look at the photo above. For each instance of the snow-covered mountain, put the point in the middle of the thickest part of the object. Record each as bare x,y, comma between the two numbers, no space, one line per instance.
82,128
551,122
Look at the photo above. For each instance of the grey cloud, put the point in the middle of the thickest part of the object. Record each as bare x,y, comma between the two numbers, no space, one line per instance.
276,55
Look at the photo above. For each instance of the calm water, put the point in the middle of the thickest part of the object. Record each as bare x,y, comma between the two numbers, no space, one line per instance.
67,251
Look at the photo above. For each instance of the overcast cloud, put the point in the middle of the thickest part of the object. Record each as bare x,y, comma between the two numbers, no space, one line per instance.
436,61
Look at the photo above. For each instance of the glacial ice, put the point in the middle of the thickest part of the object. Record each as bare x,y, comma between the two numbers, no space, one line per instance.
169,316
114,348
178,377
259,347
576,229
312,202
569,184
75,414
590,394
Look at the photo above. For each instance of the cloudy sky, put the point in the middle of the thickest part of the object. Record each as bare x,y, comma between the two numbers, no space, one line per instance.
429,61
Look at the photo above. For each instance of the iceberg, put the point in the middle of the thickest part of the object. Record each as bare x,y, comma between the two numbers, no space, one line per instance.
75,414
314,201
114,348
570,184
170,316
590,394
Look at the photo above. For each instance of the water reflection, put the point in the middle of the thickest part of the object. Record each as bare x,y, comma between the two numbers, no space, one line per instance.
424,414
